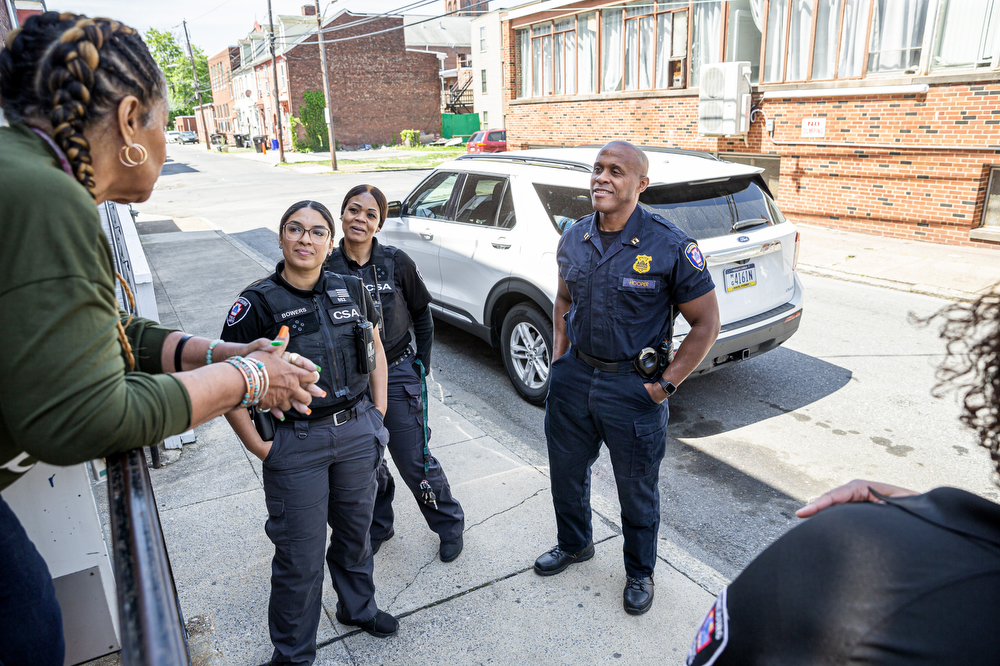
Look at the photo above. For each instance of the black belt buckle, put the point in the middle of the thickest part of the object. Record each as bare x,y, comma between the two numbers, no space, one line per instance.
348,414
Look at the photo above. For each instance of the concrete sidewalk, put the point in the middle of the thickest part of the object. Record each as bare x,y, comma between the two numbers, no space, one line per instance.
957,273
486,607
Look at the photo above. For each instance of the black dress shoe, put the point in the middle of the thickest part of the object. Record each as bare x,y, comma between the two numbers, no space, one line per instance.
451,549
377,543
382,625
557,559
638,595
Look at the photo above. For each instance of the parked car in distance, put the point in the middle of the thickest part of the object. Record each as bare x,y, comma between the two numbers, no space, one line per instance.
483,229
188,137
488,141
172,136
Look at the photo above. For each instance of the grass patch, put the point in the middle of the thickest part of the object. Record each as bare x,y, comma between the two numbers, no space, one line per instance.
421,159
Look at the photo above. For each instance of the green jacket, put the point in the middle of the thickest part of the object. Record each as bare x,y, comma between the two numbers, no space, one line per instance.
65,393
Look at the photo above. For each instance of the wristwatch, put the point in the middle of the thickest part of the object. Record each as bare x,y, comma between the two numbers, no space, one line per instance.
668,387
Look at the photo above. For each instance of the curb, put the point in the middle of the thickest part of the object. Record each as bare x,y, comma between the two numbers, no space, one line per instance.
923,289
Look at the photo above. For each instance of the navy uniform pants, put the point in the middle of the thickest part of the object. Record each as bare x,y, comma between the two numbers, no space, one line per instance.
405,421
318,474
31,630
585,407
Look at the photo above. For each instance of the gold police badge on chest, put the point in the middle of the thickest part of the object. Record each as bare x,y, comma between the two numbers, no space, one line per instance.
641,264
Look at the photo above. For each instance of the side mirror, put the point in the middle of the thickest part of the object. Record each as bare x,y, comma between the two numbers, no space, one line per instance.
395,209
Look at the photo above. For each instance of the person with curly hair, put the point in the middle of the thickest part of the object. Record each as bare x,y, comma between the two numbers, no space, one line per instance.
81,380
882,574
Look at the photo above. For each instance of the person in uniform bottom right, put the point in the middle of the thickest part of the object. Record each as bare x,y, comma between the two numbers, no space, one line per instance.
886,576
622,273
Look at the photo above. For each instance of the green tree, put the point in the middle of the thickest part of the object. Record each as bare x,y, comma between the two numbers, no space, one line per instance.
173,59
313,121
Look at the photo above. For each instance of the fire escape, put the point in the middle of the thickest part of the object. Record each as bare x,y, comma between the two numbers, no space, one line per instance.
458,98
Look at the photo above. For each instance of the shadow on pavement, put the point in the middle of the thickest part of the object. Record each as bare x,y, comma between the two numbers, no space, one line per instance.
262,240
172,168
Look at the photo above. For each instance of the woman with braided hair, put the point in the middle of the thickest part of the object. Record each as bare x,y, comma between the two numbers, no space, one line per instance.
87,106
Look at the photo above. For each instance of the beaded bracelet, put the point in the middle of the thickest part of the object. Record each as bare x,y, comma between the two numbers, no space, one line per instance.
256,378
208,354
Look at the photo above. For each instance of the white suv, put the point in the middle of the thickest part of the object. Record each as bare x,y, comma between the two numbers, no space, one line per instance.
483,230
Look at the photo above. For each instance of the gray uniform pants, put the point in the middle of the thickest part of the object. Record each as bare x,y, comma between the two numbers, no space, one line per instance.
318,473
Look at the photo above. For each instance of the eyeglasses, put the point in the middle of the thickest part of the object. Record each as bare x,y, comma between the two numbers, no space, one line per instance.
294,232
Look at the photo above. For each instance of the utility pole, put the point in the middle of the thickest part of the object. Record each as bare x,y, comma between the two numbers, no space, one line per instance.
326,89
277,102
197,87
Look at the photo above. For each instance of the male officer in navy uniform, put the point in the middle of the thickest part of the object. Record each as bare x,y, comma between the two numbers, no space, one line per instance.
622,271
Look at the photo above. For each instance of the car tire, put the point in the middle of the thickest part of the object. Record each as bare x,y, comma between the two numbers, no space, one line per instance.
526,345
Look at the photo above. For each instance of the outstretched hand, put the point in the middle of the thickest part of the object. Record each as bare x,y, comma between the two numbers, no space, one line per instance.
855,491
293,378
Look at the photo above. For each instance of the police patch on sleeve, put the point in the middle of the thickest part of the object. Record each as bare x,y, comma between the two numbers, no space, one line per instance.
693,253
239,310
713,634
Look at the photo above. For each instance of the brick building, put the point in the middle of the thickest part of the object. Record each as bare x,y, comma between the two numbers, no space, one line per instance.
881,116
449,38
466,7
379,86
220,71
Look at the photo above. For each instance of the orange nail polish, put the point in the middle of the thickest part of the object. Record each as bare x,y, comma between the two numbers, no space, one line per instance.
308,411
283,333
324,394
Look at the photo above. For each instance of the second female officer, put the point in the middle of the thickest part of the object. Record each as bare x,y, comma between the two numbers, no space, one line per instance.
392,277
321,466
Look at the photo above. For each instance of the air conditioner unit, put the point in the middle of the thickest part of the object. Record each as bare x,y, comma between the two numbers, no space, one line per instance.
724,99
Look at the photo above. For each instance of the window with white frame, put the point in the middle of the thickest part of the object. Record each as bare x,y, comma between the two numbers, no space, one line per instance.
482,38
991,207
660,44
486,118
968,34
482,76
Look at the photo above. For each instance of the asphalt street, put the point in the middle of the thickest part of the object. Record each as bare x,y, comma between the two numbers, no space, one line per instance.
849,396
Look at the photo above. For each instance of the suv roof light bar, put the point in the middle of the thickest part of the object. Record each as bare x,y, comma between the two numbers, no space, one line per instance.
537,161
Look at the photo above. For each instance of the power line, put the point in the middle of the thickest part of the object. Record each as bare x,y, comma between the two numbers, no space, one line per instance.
399,27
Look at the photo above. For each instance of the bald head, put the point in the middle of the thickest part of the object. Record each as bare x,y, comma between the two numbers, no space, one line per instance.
618,178
636,158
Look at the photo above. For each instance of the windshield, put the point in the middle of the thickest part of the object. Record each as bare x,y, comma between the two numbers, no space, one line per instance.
708,210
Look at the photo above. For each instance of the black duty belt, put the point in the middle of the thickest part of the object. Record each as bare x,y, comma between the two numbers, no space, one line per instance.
337,418
409,353
622,367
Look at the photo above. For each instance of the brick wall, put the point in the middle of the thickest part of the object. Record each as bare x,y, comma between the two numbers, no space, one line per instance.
5,23
909,190
378,88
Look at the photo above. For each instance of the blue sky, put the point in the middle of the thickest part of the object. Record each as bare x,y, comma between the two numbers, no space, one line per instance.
215,24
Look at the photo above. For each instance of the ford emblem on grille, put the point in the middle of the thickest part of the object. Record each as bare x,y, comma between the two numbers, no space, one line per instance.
744,239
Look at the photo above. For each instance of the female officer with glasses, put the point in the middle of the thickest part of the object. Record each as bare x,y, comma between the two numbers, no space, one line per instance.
321,466
392,277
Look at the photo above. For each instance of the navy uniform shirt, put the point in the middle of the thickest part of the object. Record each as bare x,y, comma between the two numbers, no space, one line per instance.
622,297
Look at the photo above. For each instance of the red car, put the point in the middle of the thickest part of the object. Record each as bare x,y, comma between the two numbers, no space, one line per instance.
488,141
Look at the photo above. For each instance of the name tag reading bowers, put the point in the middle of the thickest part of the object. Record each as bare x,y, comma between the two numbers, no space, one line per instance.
636,283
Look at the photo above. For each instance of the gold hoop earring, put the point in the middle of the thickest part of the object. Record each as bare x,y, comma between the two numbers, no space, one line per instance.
125,156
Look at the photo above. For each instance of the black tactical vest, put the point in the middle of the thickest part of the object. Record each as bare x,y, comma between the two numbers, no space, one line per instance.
321,328
378,277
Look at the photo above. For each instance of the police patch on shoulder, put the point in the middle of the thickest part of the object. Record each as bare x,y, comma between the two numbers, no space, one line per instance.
713,634
693,253
239,310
